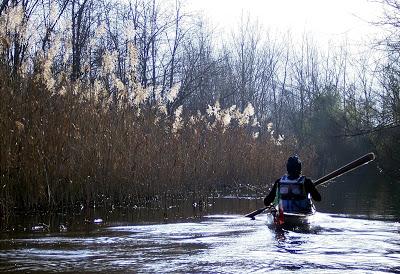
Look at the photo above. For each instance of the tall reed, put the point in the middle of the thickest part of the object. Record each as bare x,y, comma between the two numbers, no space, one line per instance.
97,139
67,149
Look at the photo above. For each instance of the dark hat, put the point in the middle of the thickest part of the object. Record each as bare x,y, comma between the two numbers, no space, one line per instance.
293,166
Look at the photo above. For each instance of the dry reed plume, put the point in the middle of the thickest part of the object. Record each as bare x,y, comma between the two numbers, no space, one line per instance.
107,141
62,150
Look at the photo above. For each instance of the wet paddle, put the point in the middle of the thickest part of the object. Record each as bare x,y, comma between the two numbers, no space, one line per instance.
344,169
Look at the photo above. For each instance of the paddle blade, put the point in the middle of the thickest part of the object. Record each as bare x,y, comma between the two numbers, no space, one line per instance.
279,218
256,212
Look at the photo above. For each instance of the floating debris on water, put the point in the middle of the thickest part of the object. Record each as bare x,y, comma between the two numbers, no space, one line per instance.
62,228
40,228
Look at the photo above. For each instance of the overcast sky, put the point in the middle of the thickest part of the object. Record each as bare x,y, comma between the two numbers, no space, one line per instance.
324,19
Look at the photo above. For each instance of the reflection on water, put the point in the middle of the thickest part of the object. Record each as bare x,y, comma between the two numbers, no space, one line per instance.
360,193
214,243
359,232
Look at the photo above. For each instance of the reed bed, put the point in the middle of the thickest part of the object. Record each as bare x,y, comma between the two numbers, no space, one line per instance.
71,148
98,138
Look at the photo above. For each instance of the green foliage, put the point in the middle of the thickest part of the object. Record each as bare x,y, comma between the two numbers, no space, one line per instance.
387,145
326,129
386,137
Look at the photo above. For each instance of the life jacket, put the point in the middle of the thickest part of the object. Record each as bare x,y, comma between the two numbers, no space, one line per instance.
292,195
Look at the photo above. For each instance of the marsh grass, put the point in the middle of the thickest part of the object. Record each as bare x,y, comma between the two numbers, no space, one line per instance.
101,141
66,150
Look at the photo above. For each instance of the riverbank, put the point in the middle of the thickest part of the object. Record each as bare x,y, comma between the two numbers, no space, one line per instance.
353,195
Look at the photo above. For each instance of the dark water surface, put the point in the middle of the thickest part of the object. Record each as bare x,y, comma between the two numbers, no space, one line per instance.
215,244
355,231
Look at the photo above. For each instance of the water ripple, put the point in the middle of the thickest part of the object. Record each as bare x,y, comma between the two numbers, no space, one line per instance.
218,243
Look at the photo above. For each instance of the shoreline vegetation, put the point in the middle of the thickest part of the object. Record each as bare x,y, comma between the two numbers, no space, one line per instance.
70,149
129,104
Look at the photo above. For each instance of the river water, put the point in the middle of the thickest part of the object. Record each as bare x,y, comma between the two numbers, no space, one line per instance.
357,238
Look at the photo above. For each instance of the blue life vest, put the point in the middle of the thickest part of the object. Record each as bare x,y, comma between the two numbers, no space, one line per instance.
292,195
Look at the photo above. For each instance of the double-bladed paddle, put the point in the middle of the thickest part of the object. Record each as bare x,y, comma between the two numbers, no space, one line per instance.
344,169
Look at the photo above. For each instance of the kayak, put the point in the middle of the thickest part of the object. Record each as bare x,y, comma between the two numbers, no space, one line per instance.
297,218
344,169
292,220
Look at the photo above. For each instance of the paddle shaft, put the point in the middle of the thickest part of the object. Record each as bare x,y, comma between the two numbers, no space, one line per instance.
344,169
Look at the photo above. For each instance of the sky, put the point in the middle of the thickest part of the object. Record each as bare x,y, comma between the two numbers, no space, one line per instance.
326,20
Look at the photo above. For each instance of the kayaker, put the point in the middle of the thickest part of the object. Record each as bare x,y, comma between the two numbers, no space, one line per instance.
293,192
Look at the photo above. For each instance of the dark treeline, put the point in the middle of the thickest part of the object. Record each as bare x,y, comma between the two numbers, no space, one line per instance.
137,100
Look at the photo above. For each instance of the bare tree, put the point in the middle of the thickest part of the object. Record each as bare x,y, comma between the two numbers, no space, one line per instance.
81,22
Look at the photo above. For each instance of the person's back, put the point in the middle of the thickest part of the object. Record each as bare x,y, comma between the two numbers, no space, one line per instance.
292,191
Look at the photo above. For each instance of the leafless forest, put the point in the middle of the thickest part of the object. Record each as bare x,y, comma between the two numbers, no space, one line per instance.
107,102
